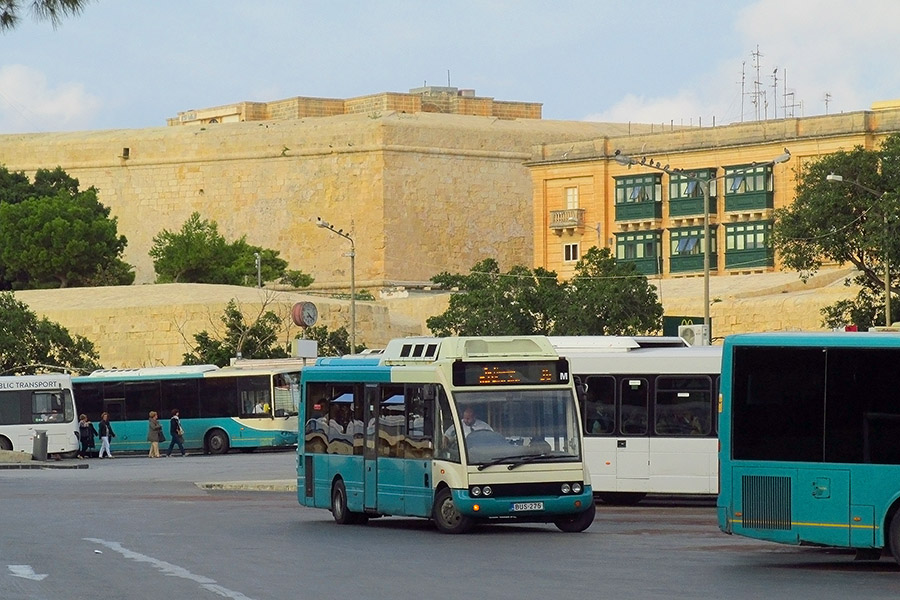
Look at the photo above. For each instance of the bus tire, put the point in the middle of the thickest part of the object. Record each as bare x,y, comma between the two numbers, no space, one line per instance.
217,442
894,536
339,510
446,516
5,444
578,522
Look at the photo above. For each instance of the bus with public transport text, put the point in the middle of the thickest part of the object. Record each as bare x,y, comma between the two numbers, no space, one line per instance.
458,430
809,430
32,403
249,405
648,414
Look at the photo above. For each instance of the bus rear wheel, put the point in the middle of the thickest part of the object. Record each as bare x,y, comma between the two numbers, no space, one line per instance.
217,442
894,536
342,515
5,444
578,522
447,517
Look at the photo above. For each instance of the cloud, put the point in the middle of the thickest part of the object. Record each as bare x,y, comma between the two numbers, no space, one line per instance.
28,103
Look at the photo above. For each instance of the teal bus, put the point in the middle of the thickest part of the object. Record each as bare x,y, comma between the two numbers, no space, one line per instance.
809,429
457,430
246,406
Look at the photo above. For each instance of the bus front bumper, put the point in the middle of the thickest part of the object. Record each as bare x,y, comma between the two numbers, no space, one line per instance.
525,507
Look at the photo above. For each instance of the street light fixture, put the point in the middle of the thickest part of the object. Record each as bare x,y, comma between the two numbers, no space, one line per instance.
340,232
832,177
703,184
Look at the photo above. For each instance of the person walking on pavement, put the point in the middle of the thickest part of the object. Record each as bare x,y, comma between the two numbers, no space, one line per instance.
176,432
154,434
106,432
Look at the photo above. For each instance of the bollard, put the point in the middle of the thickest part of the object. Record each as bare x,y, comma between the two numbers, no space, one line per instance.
39,451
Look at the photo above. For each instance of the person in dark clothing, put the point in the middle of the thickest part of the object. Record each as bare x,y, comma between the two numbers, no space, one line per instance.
176,432
86,435
106,433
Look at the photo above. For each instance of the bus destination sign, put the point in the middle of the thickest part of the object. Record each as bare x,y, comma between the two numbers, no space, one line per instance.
542,372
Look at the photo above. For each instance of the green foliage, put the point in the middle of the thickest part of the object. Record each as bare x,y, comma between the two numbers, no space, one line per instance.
331,343
44,10
608,298
602,299
198,253
30,345
856,221
296,279
51,232
257,339
862,311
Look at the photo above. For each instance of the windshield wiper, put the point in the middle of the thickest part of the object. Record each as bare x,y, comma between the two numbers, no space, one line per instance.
530,458
497,461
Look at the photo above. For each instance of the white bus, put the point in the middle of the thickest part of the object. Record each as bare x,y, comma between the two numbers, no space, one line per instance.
31,403
649,415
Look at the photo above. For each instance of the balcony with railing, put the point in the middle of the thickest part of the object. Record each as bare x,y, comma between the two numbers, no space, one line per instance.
570,218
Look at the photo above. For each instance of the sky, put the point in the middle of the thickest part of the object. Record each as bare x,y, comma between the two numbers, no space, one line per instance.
126,64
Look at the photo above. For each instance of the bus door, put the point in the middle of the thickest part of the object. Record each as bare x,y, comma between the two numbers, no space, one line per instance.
370,456
633,445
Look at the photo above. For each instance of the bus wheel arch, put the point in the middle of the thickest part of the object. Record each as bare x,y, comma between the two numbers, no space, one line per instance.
578,522
339,509
446,516
5,443
892,530
216,442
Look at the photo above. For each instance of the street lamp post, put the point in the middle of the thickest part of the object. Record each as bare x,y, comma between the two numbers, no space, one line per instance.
703,184
258,270
887,265
340,232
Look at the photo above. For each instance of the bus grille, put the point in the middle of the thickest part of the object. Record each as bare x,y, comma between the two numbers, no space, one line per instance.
504,490
766,502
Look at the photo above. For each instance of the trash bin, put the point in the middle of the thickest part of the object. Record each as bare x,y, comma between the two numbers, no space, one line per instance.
39,452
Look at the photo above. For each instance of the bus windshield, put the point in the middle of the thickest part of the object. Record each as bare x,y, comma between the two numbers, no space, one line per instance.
515,425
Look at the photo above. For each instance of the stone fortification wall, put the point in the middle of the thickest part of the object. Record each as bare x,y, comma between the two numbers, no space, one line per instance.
420,193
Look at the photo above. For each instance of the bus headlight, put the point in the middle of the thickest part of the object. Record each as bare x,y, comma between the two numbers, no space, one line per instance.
476,491
576,488
487,490
566,488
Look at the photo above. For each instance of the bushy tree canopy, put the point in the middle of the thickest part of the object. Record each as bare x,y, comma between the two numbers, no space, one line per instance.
856,221
198,253
31,345
52,233
603,298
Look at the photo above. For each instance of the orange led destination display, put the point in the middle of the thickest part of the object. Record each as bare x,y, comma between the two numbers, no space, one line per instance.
511,373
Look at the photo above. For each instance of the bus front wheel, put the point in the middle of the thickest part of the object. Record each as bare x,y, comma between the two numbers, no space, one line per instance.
217,442
447,517
5,444
578,522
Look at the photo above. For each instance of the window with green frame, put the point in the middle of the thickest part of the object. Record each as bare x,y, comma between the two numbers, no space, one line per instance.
755,235
748,179
685,184
686,241
638,245
639,188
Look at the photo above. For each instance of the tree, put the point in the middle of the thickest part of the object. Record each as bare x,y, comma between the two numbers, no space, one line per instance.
606,297
257,338
200,254
603,298
30,345
50,231
44,10
856,222
331,343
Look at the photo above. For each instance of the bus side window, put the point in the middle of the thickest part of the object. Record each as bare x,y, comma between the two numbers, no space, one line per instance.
600,405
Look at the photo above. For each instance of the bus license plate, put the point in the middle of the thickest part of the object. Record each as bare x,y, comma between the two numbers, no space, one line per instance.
526,506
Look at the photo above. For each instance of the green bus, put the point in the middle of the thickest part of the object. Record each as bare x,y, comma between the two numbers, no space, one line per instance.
809,428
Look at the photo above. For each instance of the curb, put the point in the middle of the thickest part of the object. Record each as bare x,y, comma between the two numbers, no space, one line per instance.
277,485
42,465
